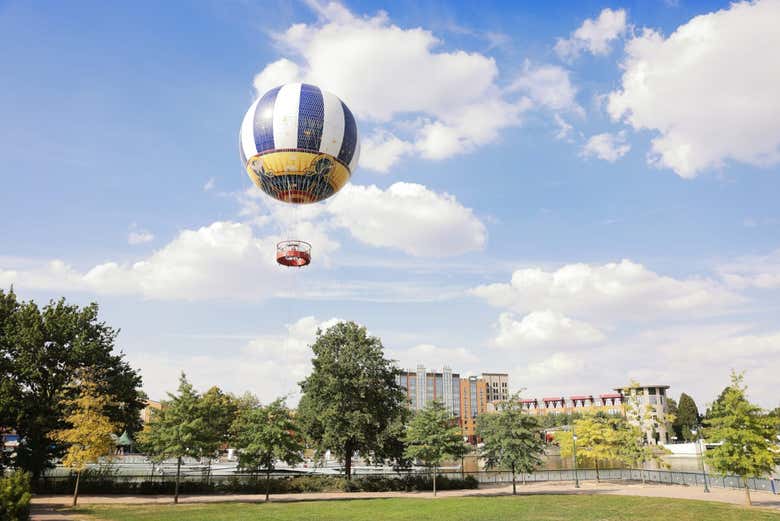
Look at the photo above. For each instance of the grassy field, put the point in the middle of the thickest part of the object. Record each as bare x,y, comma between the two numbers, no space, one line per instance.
526,508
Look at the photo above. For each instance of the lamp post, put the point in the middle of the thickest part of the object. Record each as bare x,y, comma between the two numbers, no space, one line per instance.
574,456
697,432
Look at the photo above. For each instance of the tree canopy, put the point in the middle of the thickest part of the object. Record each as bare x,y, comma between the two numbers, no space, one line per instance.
688,418
40,351
265,436
747,436
432,435
597,441
90,436
351,398
511,439
178,429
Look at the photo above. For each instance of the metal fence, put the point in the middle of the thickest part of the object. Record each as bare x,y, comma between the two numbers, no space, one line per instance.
204,482
667,477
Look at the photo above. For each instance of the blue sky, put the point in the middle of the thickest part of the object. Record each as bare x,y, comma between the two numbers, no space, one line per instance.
577,193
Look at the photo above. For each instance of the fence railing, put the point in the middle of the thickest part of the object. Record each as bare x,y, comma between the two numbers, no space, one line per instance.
204,482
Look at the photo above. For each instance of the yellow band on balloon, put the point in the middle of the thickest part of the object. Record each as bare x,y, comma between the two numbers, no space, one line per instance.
295,163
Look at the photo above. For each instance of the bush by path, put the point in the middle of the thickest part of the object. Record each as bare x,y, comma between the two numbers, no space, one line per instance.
103,484
15,497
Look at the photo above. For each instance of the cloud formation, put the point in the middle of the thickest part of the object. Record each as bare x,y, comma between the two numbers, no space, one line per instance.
606,146
593,36
408,217
544,328
709,90
271,365
610,291
461,106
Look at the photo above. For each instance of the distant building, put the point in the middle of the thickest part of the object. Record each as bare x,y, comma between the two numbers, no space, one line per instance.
465,398
423,387
146,412
610,403
474,402
497,386
651,400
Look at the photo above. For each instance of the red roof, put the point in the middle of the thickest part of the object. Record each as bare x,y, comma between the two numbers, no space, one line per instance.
529,400
557,399
583,397
611,395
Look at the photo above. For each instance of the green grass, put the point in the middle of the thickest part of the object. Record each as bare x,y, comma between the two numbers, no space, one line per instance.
526,508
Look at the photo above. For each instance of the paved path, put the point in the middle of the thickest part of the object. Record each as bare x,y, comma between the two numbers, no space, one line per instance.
49,507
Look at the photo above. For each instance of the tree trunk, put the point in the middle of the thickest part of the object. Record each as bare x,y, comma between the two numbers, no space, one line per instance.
178,475
348,461
434,480
747,493
76,489
267,483
598,477
514,484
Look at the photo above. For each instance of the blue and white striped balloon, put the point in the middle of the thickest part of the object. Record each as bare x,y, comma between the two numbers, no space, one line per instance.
298,143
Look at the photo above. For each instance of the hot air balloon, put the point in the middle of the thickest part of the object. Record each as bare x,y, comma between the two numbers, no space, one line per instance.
299,144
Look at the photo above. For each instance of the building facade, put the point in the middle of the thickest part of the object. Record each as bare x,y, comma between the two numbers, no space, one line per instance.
423,387
465,398
646,407
473,399
146,412
610,403
496,386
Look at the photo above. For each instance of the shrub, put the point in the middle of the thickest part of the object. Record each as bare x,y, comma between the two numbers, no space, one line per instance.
102,483
15,497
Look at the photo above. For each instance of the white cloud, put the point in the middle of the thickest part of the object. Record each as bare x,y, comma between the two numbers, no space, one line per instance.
449,100
709,90
227,260
593,36
222,260
556,365
434,357
382,150
564,128
549,86
544,328
139,237
610,291
408,217
210,184
761,272
271,365
606,146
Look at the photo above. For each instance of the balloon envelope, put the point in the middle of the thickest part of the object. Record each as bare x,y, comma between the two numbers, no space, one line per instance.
298,143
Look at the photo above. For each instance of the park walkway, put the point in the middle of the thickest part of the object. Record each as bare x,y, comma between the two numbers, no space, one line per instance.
47,508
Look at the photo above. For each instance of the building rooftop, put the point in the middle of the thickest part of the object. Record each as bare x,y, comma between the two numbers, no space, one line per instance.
624,387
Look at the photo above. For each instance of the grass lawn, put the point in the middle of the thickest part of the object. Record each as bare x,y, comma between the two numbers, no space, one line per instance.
526,508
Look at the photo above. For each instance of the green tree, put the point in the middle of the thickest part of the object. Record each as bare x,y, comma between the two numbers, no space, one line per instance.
351,398
90,436
40,351
597,441
264,436
632,448
219,412
747,435
688,418
511,439
177,430
672,407
432,435
15,497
